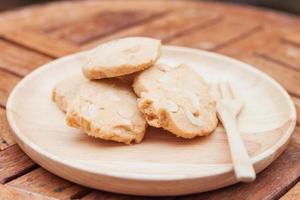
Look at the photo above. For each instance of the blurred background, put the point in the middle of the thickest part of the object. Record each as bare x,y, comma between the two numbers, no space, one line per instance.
291,6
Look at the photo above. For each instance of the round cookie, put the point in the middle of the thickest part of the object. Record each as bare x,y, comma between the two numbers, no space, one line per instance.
177,99
105,109
121,57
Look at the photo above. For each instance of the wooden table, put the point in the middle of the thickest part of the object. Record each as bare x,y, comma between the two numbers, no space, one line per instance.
35,35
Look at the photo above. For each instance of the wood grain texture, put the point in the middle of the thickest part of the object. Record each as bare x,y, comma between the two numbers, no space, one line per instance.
40,43
8,193
225,31
297,104
6,137
277,51
252,43
7,83
292,38
292,194
106,195
282,52
268,17
13,163
72,11
19,60
247,32
168,26
112,196
42,182
97,26
287,77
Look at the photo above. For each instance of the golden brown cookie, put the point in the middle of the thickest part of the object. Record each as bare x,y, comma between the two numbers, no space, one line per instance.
121,57
177,99
103,109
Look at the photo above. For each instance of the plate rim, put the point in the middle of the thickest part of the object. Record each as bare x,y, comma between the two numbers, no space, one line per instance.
28,144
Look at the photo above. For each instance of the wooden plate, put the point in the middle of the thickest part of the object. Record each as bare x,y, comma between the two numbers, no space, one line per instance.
162,164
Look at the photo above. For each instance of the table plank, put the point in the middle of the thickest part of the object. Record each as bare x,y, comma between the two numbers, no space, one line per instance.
8,193
169,26
70,12
112,196
252,43
225,31
249,50
43,182
23,18
19,60
292,38
268,17
287,77
297,104
13,163
104,23
6,138
41,43
293,194
7,83
282,52
269,45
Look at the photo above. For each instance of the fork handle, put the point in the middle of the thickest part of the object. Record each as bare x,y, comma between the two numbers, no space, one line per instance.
242,165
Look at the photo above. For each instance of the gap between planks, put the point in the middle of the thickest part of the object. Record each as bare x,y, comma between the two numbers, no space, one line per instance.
55,186
206,24
21,173
159,28
18,170
255,30
50,56
293,193
282,58
8,192
10,72
116,30
277,61
286,189
267,59
20,45
10,155
292,43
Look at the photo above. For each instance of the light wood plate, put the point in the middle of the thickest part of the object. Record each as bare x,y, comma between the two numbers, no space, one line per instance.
162,164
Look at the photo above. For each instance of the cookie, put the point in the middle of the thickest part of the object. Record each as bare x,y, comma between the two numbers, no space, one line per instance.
177,99
65,91
103,109
121,57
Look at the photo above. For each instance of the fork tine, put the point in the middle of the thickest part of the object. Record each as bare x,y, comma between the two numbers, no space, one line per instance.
230,89
226,89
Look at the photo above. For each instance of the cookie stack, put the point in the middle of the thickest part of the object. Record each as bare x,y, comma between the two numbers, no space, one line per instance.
102,100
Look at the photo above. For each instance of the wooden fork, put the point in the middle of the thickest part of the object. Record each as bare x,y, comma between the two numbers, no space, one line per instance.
228,108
